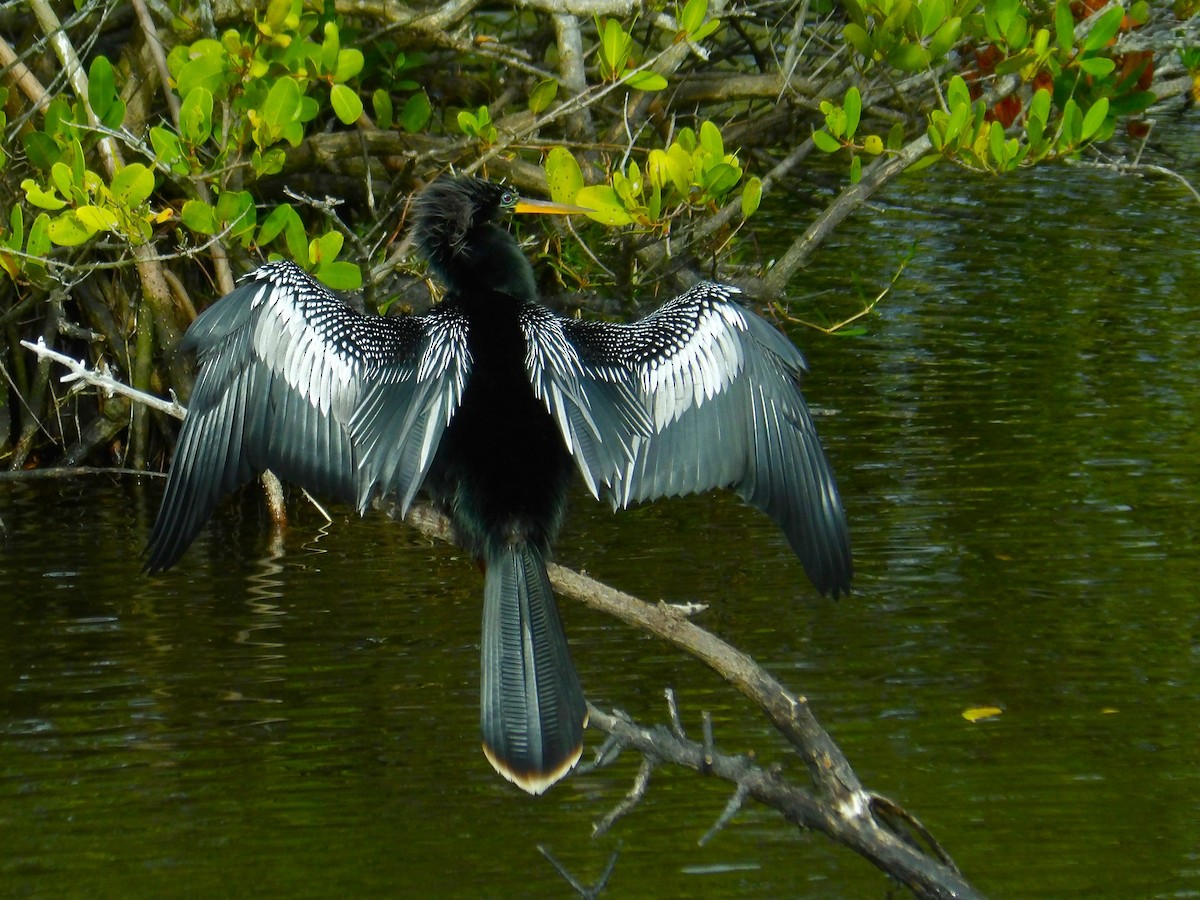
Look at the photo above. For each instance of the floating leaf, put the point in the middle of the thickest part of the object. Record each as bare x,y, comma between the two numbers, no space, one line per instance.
981,713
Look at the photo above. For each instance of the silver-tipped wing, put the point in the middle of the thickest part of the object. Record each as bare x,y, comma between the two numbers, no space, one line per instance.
699,394
293,380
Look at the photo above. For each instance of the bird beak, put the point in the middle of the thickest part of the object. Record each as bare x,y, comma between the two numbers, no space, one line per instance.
548,207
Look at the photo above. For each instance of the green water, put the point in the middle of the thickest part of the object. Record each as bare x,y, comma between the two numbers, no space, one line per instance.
1017,442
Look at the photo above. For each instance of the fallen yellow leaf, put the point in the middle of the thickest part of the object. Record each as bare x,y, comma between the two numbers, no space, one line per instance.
978,713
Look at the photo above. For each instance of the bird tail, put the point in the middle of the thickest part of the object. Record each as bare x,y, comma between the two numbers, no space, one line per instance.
532,710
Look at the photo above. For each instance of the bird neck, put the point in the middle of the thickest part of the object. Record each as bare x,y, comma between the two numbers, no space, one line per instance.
488,260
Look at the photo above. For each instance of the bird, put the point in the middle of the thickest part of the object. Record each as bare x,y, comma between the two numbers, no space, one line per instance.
492,404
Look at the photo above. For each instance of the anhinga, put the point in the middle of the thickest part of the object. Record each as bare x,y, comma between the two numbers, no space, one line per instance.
491,403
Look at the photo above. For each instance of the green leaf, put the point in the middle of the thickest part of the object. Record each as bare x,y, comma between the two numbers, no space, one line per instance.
67,230
957,94
1097,66
102,86
274,224
39,237
330,47
1015,63
347,105
615,44
705,30
41,149
945,38
63,177
199,217
751,197
645,81
923,163
1095,118
349,64
855,169
1039,106
133,184
467,123
235,211
933,13
326,248
937,137
996,144
1132,103
1104,30
97,218
381,103
858,38
542,95
826,142
895,138
693,15
908,57
167,148
41,197
721,179
417,112
563,175
853,107
207,71
606,206
1064,25
711,141
277,14
340,276
267,162
1017,35
282,103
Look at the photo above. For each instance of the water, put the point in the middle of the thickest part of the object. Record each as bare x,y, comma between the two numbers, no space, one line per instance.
1017,445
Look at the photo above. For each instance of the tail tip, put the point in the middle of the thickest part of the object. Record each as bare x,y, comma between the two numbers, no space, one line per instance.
533,780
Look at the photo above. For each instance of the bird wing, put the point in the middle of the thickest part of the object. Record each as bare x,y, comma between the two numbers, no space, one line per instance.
293,380
701,393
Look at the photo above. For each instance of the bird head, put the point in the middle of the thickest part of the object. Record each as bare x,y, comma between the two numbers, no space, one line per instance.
454,227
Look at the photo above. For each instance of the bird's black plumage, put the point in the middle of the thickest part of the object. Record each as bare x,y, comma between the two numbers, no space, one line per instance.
491,403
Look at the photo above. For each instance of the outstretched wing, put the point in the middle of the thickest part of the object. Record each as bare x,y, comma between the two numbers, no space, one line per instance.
699,394
293,380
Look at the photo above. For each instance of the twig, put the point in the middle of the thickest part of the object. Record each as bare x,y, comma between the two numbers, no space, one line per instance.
732,808
640,783
79,371
581,889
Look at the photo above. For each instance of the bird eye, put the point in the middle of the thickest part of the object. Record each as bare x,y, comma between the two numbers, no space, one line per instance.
508,198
